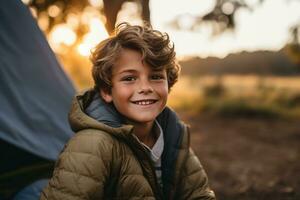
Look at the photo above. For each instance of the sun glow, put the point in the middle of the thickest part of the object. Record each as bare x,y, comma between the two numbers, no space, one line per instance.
61,34
91,39
64,35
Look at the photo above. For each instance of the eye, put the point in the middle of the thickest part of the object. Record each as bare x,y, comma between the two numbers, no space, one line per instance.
157,76
128,78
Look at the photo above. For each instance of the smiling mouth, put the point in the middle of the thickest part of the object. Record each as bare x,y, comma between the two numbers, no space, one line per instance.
144,102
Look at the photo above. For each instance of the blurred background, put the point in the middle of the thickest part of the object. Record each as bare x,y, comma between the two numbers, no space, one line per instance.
240,81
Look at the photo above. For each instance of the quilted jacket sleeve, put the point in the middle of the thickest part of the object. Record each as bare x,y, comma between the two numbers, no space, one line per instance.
194,182
82,169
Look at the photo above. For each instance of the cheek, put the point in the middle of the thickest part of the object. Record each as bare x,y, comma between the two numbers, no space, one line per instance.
163,90
166,87
121,93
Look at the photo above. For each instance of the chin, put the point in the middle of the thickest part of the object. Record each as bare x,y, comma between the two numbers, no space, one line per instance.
145,119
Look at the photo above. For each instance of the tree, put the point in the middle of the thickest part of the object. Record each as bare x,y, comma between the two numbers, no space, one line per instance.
109,10
112,7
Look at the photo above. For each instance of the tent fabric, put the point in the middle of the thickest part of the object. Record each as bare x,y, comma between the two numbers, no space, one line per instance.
35,93
32,191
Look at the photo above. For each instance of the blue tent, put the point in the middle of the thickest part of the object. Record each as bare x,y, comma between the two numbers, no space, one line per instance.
35,97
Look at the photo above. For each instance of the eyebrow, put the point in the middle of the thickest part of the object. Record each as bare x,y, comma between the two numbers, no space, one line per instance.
135,71
127,71
158,70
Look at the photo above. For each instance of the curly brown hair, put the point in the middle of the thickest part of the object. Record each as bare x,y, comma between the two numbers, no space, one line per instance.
156,49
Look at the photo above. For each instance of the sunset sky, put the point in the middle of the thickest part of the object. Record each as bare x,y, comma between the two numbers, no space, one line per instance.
267,27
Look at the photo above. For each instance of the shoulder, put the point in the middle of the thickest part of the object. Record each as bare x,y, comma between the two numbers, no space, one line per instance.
85,162
90,141
84,151
88,145
92,137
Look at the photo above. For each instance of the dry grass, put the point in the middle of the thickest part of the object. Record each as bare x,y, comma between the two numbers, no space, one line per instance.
238,95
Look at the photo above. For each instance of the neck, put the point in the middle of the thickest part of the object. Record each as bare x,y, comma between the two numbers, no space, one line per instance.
144,133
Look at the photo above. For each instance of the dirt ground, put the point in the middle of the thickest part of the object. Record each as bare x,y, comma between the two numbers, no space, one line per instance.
248,159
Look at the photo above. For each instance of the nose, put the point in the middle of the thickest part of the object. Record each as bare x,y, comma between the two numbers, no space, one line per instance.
145,87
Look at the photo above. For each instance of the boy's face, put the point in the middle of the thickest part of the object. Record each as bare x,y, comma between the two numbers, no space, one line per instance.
138,92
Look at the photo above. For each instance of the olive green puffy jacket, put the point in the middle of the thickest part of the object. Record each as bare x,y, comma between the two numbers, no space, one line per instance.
104,160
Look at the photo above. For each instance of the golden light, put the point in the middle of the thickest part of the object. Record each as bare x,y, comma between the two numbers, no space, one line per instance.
130,12
186,21
228,8
89,13
43,21
54,11
73,20
61,34
33,11
91,39
84,49
96,3
26,1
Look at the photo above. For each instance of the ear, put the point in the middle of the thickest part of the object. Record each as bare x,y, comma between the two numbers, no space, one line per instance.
106,96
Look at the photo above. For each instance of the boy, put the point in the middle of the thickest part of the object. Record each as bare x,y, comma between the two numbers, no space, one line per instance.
128,144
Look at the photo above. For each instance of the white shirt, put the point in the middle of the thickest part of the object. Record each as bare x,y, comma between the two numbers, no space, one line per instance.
156,151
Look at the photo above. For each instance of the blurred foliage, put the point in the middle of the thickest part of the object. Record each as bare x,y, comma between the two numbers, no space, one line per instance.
76,15
293,51
215,90
68,25
59,10
259,100
223,14
293,48
240,108
223,17
79,68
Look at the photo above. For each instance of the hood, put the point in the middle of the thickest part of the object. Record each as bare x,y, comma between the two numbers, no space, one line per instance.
89,111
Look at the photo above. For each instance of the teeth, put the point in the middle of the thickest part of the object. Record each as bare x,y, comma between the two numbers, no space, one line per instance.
144,102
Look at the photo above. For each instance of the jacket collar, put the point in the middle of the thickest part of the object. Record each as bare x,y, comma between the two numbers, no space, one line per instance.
104,112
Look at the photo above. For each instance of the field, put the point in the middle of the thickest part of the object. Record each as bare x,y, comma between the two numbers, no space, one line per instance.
248,96
250,151
248,159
